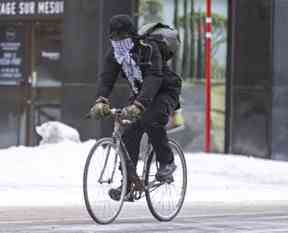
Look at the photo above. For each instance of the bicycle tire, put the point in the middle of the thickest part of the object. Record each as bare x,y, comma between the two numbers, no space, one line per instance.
93,205
157,212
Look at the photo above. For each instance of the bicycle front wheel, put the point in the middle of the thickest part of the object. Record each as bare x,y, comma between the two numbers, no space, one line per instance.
104,170
166,199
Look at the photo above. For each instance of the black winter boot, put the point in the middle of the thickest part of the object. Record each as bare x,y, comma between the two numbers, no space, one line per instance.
165,172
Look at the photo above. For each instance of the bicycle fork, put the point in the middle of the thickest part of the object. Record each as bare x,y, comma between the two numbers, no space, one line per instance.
109,180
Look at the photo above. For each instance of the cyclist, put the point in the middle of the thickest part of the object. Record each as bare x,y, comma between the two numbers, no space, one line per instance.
155,93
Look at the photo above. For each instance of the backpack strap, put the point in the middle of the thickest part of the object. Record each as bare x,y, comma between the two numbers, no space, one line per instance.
145,53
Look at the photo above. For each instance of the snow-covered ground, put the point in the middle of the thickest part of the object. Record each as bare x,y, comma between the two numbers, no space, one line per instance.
51,174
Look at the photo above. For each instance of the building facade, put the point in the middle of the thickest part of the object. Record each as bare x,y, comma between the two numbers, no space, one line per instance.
51,53
30,64
49,58
59,46
257,79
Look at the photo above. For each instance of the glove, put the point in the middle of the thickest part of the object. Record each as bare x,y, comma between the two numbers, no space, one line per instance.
101,108
134,111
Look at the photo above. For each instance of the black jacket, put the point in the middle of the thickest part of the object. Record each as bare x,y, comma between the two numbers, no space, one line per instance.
157,76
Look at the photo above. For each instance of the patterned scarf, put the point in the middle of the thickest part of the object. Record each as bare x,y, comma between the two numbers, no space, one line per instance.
122,54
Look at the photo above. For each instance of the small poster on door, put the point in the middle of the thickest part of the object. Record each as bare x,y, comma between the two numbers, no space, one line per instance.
11,53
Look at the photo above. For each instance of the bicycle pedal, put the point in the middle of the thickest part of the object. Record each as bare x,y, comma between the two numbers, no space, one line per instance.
136,195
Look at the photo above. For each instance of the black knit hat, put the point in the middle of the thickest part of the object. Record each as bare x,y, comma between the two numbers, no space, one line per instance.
122,24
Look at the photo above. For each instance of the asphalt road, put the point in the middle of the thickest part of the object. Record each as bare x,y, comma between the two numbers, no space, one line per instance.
194,218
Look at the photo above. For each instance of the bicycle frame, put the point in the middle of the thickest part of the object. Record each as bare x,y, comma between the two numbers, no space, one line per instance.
117,139
119,123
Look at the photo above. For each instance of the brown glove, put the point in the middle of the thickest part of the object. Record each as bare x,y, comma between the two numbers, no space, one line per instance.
101,108
134,111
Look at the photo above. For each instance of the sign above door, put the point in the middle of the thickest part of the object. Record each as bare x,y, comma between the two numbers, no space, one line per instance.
30,8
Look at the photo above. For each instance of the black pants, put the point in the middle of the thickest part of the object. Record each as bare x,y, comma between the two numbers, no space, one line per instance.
153,123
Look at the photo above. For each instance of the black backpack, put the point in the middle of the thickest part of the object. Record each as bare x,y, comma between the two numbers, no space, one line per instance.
167,37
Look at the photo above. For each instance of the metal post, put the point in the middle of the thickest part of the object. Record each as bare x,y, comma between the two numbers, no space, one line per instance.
208,47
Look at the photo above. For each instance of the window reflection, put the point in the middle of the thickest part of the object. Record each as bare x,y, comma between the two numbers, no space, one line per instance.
188,17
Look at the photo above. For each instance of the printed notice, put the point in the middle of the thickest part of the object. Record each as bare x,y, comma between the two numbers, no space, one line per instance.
11,53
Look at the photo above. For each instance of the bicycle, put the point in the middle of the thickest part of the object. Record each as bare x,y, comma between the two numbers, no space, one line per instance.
106,168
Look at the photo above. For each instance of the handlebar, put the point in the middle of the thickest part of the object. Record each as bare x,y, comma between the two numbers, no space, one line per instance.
121,114
118,114
116,111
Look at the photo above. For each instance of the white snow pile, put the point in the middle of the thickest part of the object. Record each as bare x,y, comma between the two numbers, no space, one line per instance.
51,174
55,132
231,178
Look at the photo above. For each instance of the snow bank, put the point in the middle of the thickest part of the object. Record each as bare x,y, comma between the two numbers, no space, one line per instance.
231,178
51,174
47,174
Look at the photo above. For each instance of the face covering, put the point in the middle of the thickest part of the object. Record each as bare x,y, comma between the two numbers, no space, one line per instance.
121,50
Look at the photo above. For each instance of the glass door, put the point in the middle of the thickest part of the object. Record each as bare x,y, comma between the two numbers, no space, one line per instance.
46,79
13,76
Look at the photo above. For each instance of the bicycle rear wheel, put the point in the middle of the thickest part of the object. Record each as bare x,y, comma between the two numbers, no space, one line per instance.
102,172
166,199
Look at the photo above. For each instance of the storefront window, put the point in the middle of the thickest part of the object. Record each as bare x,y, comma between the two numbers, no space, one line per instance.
188,17
48,49
46,94
12,74
30,67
